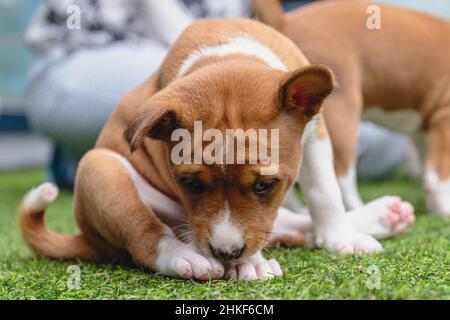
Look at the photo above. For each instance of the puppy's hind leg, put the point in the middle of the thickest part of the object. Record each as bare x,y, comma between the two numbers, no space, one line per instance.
383,218
119,206
292,230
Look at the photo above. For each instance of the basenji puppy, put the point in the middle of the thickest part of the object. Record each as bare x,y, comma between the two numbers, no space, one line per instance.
201,219
384,56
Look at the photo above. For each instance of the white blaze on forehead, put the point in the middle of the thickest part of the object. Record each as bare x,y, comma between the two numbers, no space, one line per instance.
238,45
226,232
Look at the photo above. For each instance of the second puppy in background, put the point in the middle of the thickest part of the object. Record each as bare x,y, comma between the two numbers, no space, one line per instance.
404,65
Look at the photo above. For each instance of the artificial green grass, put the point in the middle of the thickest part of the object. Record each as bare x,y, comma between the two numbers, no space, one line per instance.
414,266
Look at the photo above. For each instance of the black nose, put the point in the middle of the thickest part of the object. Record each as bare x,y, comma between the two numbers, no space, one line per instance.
227,254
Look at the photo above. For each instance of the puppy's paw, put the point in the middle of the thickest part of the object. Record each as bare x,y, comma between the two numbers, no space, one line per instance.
178,259
383,218
343,239
255,267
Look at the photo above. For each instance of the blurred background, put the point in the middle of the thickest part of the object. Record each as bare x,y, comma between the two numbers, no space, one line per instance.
58,88
15,59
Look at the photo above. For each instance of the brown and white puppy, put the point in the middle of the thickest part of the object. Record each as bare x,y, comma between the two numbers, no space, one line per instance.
404,65
190,218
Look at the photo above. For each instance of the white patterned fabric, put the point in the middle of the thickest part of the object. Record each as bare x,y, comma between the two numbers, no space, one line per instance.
81,74
71,100
105,21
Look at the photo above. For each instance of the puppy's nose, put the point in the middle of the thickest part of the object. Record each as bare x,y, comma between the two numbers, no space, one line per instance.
234,252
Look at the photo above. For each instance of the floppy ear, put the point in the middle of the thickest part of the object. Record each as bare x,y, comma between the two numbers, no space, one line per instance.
155,122
305,89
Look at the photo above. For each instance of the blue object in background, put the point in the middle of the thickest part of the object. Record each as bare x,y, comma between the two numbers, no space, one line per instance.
290,5
440,8
15,58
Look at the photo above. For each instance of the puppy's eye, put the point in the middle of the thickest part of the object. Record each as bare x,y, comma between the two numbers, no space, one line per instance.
194,185
264,186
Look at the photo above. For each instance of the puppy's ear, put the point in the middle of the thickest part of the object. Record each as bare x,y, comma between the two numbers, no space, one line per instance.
154,122
305,89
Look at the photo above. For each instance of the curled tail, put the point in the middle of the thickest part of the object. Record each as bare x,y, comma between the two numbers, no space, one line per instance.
43,241
269,12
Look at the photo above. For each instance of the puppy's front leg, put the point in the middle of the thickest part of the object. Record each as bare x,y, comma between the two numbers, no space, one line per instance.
437,175
117,205
323,196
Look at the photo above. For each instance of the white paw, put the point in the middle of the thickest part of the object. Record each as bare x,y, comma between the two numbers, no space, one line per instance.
255,267
343,239
178,259
383,218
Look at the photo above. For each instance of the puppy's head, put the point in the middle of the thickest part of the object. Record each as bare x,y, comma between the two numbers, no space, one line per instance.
233,135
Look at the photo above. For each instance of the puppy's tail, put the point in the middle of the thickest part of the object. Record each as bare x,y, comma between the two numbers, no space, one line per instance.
43,241
269,12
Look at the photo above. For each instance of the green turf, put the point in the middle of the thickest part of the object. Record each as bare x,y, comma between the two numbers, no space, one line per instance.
414,266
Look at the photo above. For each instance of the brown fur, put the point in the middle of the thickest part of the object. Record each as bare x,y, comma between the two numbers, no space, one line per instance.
227,93
51,244
270,12
289,241
405,65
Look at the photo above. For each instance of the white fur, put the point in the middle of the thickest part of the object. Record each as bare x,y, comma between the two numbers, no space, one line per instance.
175,257
438,192
226,233
254,268
239,45
184,260
151,197
310,129
291,224
291,201
324,199
349,189
375,217
317,172
38,199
